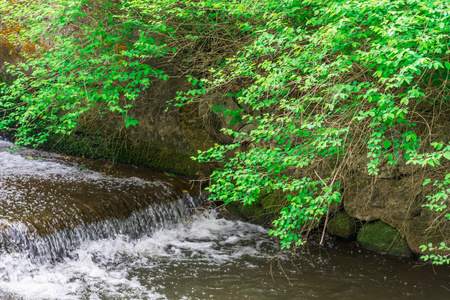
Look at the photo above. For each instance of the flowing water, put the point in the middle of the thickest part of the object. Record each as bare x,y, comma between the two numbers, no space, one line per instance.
79,229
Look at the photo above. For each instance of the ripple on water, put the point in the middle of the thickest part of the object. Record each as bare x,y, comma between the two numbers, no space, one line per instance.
213,258
131,269
204,258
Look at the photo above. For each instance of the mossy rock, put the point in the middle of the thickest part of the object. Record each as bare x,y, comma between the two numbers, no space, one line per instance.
273,203
263,211
342,225
379,236
334,207
142,154
234,209
254,213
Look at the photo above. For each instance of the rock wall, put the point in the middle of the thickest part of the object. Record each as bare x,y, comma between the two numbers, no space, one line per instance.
397,202
163,140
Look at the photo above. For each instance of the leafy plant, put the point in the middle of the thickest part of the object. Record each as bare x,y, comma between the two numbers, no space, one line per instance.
319,85
88,63
323,80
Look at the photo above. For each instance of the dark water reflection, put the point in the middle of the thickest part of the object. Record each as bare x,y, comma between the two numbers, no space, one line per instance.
332,272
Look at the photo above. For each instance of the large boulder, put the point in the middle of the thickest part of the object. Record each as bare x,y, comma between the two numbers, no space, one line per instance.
379,236
390,200
399,203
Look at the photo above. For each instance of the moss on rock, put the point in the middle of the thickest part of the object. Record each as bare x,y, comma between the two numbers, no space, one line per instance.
379,236
263,211
273,203
234,209
342,225
254,213
142,154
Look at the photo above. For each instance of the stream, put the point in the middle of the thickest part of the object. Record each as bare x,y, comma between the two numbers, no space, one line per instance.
73,228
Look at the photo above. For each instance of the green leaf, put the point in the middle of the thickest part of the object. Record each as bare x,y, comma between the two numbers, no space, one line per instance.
447,65
131,122
387,144
446,155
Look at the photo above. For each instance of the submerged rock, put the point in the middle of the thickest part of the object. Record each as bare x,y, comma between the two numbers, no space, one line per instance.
379,236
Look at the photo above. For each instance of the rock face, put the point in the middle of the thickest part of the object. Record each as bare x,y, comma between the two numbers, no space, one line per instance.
163,140
379,236
274,202
254,213
391,200
397,202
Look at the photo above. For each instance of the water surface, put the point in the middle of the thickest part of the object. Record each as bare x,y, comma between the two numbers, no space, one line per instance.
78,229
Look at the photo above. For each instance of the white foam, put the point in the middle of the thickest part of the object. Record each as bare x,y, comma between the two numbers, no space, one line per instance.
104,268
23,164
5,144
232,240
12,163
112,268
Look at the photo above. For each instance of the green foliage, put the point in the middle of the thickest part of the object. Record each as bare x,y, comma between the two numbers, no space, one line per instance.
437,259
314,75
318,83
87,63
320,80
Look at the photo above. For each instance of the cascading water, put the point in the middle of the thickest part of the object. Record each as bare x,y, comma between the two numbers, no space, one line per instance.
69,230
49,209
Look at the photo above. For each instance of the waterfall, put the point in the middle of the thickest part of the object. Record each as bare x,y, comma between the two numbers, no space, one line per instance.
49,205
